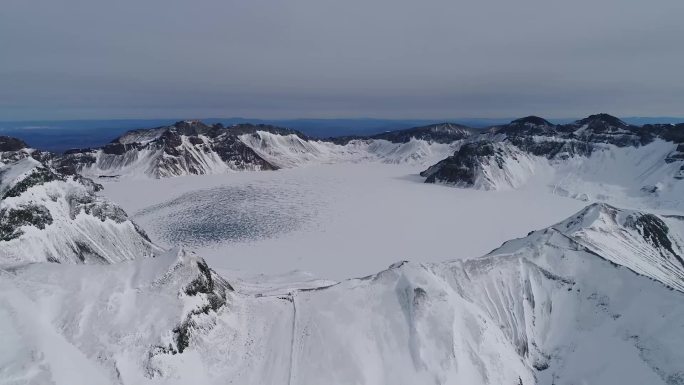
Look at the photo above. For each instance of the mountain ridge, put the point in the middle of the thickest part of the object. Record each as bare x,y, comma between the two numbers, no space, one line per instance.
49,216
532,143
528,312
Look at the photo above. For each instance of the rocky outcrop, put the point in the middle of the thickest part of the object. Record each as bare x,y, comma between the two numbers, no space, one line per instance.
49,216
484,164
462,167
11,144
187,147
538,138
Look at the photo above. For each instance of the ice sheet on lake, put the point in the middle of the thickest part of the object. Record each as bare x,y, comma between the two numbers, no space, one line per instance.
230,214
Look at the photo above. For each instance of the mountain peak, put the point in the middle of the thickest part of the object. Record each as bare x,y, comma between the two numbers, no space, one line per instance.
602,120
639,241
189,122
191,127
445,132
8,143
532,120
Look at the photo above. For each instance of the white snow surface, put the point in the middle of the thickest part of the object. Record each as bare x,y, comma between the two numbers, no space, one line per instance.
539,310
283,151
152,162
636,176
343,210
328,219
618,236
597,298
510,169
287,151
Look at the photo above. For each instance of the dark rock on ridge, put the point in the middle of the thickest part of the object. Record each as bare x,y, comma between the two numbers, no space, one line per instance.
539,137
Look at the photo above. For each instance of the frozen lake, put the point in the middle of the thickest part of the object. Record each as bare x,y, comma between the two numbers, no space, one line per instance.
335,221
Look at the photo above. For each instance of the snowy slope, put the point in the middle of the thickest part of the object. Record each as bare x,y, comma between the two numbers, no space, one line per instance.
288,151
105,324
630,175
13,149
596,158
544,309
185,148
154,161
522,148
342,212
194,148
637,174
46,216
597,298
487,166
639,241
191,155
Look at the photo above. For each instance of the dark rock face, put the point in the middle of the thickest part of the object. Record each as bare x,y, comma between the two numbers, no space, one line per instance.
24,201
37,177
533,121
231,150
209,283
11,220
214,290
655,231
530,134
677,155
552,149
602,123
669,132
118,148
460,168
13,149
11,144
72,161
99,209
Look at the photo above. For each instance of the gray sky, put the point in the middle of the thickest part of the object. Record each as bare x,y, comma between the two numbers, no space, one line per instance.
351,58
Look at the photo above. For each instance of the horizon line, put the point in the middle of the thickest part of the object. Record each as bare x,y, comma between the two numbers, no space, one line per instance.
445,120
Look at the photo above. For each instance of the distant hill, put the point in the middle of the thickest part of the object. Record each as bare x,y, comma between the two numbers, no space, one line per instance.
61,135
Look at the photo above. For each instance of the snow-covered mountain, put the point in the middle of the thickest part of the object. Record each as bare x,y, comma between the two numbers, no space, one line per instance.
121,323
596,298
439,133
598,150
13,149
187,147
511,154
287,151
484,165
48,216
9,144
191,147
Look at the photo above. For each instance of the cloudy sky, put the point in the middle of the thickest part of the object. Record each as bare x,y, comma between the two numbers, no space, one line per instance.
334,58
